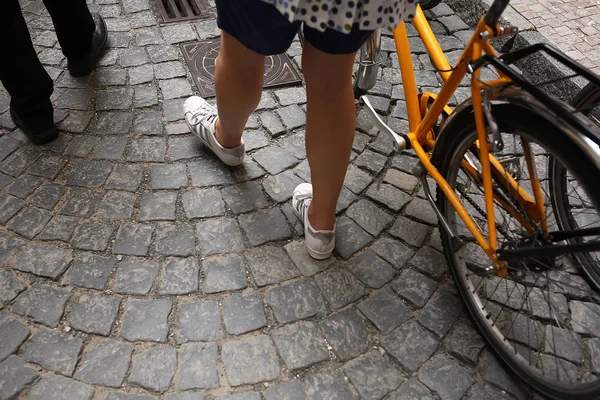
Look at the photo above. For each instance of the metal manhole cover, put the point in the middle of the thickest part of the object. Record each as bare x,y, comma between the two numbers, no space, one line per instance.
200,58
182,10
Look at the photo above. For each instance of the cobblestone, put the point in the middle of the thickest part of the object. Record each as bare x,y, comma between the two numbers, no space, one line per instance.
145,97
346,332
148,123
373,375
250,361
290,390
243,312
94,314
146,320
23,186
14,333
15,376
197,366
339,287
465,342
10,206
133,239
446,376
363,265
147,150
274,159
54,350
370,217
223,273
327,385
92,236
89,173
292,116
178,33
125,177
42,303
113,123
203,203
60,388
269,265
170,245
412,389
135,276
300,345
179,276
440,312
154,368
209,172
302,300
244,197
271,123
158,206
110,149
116,205
133,57
220,235
200,320
175,88
350,237
115,99
106,364
264,226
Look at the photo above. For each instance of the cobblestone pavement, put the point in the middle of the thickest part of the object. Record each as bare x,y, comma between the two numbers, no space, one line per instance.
134,266
571,25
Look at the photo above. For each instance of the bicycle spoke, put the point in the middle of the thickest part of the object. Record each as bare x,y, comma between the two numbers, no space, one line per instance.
531,304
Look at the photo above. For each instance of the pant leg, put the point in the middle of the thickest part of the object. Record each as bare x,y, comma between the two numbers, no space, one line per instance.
74,26
21,72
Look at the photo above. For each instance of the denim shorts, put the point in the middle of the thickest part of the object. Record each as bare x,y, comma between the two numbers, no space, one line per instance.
263,29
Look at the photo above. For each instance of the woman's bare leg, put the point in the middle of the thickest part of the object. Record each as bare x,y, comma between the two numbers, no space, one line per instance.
330,124
238,83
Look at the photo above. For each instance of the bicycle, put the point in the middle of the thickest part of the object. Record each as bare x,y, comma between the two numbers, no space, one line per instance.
517,201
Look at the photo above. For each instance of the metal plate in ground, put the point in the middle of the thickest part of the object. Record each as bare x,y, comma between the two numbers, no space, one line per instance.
182,10
200,58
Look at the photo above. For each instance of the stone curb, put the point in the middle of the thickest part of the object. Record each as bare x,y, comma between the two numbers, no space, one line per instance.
535,66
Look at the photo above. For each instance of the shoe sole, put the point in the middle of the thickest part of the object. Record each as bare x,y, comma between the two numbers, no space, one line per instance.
318,255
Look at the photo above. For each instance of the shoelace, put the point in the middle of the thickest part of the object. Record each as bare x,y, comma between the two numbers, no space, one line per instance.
302,203
204,115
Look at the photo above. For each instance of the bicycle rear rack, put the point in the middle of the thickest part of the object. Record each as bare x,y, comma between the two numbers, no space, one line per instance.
561,109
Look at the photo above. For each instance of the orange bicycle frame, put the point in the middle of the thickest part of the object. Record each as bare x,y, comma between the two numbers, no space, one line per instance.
421,122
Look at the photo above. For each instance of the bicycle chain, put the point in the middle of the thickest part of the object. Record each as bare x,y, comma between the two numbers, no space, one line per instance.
483,214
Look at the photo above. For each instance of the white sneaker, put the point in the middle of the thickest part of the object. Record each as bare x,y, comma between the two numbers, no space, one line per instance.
319,244
201,118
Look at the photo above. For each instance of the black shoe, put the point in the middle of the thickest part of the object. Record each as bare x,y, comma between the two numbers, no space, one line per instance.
39,132
84,66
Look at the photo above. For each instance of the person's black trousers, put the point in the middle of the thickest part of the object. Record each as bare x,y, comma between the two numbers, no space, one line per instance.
21,72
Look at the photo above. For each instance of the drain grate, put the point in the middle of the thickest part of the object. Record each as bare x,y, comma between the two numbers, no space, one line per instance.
182,10
200,58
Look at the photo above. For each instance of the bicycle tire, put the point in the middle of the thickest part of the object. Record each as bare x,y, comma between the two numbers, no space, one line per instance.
587,101
508,328
429,4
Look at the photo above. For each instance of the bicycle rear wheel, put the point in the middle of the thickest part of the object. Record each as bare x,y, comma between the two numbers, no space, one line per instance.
572,209
543,317
429,4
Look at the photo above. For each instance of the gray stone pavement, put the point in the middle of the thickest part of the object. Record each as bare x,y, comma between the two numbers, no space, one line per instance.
571,25
134,266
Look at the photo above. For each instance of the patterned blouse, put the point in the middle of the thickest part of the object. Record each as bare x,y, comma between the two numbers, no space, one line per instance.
342,14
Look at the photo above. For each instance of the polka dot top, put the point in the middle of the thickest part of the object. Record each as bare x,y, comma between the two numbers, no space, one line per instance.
342,14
